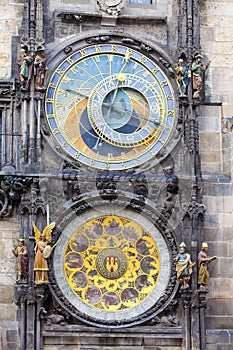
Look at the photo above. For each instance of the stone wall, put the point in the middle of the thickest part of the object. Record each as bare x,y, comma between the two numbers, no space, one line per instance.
217,167
11,16
216,144
9,231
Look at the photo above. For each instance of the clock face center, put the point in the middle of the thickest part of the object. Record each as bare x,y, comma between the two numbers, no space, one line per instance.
117,109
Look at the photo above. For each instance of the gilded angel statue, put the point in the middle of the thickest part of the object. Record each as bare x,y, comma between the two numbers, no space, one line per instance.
42,252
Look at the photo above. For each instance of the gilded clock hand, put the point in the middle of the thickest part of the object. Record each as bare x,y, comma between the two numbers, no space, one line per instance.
76,92
141,116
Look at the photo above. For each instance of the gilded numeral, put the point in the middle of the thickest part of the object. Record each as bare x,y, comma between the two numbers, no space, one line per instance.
170,113
155,70
114,48
83,53
76,156
98,48
128,54
52,86
163,83
110,156
69,60
143,59
56,131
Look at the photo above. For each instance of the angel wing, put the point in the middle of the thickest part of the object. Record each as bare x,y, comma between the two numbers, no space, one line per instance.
48,230
37,231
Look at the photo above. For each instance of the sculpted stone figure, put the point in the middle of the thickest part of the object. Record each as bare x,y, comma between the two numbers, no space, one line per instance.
25,69
40,69
198,70
21,252
182,77
203,266
183,265
42,252
110,7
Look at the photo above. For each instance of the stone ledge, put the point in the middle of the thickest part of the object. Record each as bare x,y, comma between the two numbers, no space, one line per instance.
223,336
123,337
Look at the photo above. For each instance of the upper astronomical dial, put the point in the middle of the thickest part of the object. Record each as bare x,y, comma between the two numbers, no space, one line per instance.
110,107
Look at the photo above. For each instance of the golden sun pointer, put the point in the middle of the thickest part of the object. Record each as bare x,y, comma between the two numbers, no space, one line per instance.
121,77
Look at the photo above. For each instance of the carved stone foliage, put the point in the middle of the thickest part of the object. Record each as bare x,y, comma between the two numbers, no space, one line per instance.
195,210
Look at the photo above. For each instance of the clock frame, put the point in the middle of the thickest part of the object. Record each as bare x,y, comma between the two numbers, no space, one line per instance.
110,107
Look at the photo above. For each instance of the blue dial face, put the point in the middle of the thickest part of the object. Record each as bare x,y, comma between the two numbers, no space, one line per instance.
110,107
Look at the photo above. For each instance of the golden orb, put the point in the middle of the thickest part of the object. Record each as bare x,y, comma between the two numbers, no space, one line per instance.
121,77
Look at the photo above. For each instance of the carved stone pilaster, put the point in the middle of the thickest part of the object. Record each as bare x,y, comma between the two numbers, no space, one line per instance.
186,299
191,137
202,293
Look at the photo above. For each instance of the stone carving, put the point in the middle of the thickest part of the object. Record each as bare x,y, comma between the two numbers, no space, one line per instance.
96,39
55,319
203,266
40,69
172,191
182,77
183,265
198,70
11,190
106,185
21,252
24,69
110,7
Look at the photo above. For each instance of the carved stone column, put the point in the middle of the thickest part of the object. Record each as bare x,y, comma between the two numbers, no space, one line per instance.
202,293
39,296
20,292
186,299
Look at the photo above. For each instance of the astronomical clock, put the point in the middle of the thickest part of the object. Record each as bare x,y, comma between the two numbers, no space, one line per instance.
112,108
105,145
